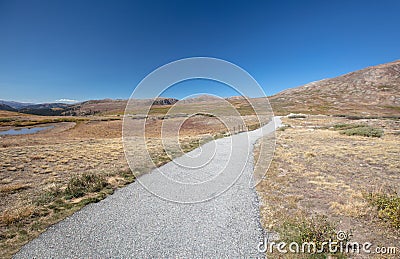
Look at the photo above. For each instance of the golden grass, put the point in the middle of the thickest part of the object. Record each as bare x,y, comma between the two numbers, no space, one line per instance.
10,114
37,170
318,171
12,188
11,216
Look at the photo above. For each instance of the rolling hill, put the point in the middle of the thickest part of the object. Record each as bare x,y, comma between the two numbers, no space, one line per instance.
374,91
110,106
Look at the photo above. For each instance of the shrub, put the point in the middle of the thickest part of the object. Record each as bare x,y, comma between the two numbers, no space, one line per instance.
344,126
317,229
206,114
353,117
365,131
78,186
388,207
284,127
297,116
49,195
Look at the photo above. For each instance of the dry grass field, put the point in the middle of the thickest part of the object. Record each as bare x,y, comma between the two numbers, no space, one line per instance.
324,177
39,171
45,177
322,181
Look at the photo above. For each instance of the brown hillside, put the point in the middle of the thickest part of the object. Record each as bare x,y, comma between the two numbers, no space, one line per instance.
111,106
374,90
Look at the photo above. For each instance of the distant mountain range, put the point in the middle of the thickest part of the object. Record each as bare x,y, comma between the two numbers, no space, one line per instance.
48,109
92,107
374,90
5,107
15,105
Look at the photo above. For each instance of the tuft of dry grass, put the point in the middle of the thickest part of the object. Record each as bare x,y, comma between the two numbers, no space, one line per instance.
14,215
13,188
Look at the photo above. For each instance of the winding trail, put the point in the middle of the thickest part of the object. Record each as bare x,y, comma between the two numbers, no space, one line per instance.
135,223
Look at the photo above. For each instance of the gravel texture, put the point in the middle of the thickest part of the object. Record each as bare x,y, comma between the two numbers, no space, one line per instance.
198,206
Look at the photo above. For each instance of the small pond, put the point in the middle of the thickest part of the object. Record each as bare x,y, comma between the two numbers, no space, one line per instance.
22,131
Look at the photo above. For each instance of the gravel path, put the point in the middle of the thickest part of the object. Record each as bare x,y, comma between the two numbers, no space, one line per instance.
210,213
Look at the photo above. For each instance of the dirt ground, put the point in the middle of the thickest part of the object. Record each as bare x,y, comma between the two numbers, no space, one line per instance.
318,171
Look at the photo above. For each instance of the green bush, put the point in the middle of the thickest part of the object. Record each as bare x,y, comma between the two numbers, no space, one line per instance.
345,126
388,207
49,195
365,131
79,185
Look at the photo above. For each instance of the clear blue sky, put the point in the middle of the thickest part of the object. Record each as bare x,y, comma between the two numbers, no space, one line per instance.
53,49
